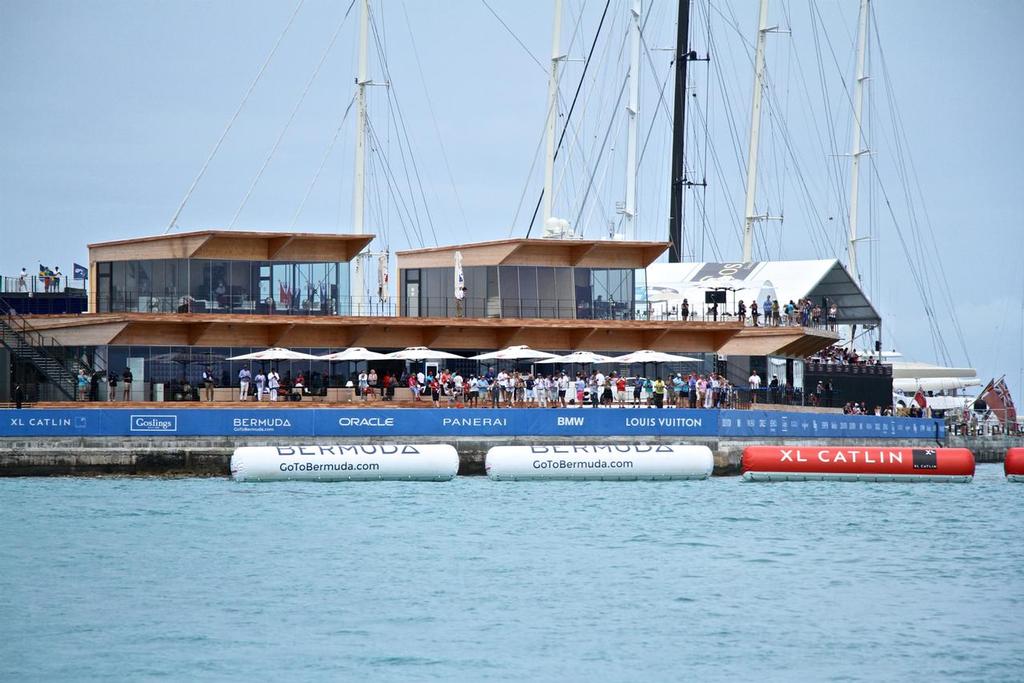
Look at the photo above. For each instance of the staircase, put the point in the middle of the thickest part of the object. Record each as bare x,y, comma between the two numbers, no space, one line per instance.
28,345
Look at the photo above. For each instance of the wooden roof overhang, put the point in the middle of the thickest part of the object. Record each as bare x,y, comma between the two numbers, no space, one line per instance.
234,246
538,252
195,329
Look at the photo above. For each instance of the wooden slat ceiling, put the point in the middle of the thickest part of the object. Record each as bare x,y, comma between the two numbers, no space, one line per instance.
538,252
172,329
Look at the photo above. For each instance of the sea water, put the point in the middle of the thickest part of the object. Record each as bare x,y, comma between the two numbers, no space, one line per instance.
133,578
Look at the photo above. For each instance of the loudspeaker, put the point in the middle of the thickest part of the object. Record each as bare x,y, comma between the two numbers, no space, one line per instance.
715,296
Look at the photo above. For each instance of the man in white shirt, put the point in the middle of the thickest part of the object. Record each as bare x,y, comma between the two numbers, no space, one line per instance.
273,383
23,280
600,381
755,385
364,384
243,383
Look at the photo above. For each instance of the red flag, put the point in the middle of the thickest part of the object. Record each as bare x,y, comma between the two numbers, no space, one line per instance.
920,399
997,397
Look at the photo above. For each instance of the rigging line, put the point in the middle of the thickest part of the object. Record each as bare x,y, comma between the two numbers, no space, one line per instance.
604,146
241,105
568,117
323,162
403,129
291,117
900,131
433,117
389,177
515,37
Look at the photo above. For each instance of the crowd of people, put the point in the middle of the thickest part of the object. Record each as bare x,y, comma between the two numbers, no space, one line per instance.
770,313
840,355
507,389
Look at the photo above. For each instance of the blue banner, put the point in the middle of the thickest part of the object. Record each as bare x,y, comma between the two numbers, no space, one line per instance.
323,422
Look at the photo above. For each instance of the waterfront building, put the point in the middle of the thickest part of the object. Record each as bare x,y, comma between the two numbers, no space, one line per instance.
170,305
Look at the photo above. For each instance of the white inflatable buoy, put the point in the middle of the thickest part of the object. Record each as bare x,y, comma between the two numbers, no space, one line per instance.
613,462
345,462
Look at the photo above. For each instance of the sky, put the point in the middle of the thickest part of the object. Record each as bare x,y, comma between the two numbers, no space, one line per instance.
111,108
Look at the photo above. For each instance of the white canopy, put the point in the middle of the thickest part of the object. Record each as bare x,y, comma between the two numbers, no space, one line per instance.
276,353
521,352
353,354
420,353
914,384
580,357
648,356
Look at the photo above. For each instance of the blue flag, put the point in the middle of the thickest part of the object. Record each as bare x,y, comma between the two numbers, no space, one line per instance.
80,272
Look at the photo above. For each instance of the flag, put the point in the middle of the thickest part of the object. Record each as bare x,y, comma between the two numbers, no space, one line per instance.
44,271
79,272
997,397
460,278
920,400
383,278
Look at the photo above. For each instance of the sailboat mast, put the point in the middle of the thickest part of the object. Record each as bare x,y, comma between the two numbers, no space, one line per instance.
675,214
856,151
359,189
755,135
632,112
549,159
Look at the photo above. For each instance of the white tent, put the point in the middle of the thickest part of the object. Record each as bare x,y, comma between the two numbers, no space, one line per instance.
421,353
355,353
580,357
276,353
648,356
520,352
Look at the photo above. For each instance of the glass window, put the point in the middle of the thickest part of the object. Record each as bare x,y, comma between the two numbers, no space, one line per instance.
240,288
584,293
103,287
119,301
199,284
508,283
528,294
476,291
566,292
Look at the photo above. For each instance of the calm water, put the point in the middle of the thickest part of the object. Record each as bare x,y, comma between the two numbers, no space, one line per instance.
471,580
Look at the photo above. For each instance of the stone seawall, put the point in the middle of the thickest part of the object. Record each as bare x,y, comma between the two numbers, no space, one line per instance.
211,456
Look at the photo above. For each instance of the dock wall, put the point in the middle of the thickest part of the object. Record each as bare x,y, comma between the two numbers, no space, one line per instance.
211,456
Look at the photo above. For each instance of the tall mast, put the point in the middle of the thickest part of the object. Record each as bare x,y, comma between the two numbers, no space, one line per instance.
359,191
858,102
755,135
632,112
675,213
549,159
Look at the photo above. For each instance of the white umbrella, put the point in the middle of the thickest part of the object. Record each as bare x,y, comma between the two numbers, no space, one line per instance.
648,356
581,357
520,352
276,354
355,353
420,353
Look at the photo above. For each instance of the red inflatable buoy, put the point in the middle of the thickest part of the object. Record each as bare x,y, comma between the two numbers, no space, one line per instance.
857,463
1013,465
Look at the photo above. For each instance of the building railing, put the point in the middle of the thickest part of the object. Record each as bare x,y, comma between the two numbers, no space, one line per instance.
38,284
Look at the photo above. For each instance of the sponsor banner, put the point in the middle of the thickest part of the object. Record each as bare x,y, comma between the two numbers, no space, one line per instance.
809,425
455,422
516,422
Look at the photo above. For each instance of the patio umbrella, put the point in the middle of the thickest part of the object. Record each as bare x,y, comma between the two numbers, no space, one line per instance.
276,354
648,356
520,352
421,353
354,353
581,357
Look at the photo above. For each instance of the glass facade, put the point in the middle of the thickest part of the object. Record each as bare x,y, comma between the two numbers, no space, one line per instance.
220,286
525,292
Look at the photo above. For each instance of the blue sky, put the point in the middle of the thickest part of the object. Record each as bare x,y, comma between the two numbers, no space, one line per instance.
110,108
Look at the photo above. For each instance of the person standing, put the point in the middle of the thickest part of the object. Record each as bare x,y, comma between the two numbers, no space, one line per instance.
372,379
126,380
755,385
208,383
243,383
55,280
364,383
741,312
111,386
659,393
273,383
261,381
23,280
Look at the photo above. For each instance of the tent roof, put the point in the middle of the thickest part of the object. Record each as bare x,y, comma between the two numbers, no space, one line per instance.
784,280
